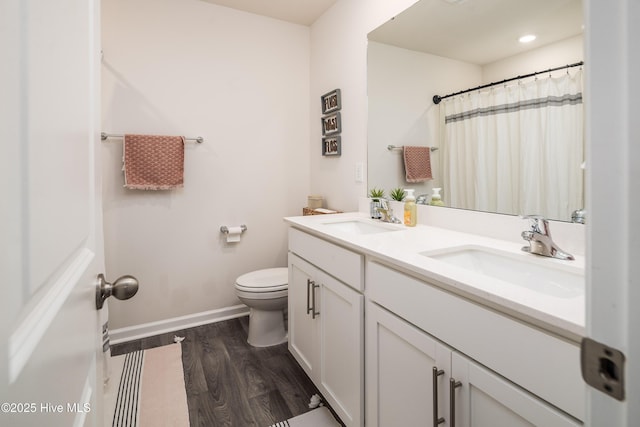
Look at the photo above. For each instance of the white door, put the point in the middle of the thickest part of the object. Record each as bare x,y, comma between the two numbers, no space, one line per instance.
51,224
613,204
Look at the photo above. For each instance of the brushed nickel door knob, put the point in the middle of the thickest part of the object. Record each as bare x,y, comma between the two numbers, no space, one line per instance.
123,288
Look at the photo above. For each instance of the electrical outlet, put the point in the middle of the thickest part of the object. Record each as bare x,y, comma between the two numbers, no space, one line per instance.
359,172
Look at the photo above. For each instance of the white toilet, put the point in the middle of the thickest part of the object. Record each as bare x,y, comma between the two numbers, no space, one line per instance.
265,293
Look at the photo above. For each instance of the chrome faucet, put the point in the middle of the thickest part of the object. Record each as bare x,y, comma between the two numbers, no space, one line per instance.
578,216
387,212
540,241
423,199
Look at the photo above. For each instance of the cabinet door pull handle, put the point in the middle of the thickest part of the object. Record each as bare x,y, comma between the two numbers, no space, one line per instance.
453,385
436,374
309,283
314,313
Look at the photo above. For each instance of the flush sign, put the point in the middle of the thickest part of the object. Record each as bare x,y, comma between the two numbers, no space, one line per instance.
602,368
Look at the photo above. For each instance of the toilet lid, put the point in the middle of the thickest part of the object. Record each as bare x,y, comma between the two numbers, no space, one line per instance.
267,280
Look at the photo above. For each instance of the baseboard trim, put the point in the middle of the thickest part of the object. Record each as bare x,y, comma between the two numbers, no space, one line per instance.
130,333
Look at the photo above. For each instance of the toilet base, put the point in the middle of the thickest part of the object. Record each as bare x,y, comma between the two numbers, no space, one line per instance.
266,328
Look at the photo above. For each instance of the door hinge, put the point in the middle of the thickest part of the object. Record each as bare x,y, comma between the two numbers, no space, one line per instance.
602,367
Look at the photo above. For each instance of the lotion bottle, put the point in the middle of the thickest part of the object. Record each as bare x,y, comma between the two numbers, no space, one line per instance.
436,200
410,210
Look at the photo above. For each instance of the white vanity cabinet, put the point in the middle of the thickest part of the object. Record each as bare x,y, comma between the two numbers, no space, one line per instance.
504,373
325,320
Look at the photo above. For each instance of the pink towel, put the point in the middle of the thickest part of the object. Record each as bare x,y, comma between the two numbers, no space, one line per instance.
417,163
153,162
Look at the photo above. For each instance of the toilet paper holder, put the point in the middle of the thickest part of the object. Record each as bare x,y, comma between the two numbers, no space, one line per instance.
224,229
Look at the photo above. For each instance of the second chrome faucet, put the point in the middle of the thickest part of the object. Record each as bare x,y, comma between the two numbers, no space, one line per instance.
540,241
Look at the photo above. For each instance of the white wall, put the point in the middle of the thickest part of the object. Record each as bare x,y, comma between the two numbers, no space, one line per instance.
339,60
401,84
239,80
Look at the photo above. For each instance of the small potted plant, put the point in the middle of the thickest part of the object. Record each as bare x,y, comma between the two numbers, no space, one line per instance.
375,194
398,194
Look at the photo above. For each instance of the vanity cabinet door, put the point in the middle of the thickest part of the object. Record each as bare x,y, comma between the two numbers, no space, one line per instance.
340,314
326,337
399,372
484,399
303,334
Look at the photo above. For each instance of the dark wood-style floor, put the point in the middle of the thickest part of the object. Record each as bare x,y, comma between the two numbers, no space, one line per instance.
229,382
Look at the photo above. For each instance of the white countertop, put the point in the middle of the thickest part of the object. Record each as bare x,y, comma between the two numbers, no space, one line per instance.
564,316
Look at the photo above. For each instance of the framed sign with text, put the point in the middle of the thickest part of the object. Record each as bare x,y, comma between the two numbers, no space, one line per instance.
331,101
331,146
331,124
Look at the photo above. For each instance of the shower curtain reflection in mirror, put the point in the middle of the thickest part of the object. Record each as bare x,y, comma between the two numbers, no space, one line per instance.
516,149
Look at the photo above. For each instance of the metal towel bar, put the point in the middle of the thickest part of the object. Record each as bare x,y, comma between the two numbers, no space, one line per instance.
104,136
394,147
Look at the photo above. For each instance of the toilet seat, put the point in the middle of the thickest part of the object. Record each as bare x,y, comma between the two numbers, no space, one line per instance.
264,281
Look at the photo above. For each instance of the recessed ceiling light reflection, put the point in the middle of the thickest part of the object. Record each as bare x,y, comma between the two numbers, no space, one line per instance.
527,39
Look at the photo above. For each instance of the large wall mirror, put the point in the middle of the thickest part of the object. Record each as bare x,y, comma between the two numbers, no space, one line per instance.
440,47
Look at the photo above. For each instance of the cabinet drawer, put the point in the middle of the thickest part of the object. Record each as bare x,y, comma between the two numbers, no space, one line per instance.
545,365
343,264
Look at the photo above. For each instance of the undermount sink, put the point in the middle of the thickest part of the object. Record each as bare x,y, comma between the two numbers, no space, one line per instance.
527,271
356,226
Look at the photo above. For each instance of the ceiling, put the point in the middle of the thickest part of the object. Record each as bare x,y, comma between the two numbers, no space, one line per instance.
474,31
480,31
303,12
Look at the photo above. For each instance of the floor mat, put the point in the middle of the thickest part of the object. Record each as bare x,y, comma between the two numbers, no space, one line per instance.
147,389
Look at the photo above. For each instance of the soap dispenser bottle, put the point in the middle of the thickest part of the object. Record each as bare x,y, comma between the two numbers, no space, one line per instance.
410,210
436,200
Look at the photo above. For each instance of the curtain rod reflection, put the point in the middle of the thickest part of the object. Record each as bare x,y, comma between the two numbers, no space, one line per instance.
393,147
437,99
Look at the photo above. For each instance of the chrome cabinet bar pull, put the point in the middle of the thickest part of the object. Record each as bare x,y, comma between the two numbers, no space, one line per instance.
314,313
309,283
436,374
453,385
